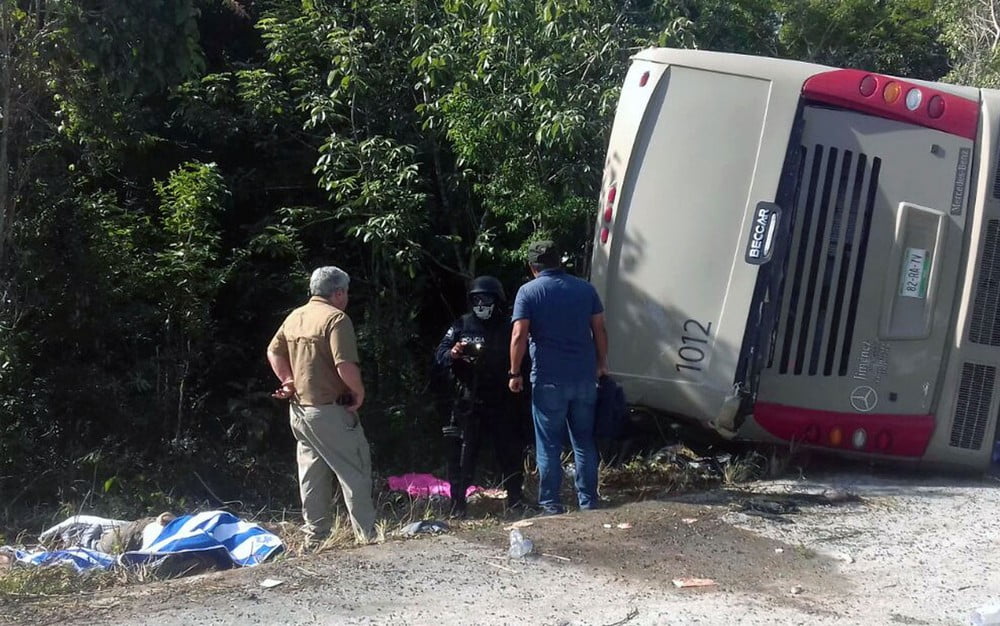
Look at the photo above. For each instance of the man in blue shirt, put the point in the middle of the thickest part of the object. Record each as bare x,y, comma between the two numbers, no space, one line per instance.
564,319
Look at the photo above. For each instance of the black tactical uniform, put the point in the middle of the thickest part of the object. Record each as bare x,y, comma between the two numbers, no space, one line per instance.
484,407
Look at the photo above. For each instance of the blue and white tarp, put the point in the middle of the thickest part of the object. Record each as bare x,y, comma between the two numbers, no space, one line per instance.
221,536
79,558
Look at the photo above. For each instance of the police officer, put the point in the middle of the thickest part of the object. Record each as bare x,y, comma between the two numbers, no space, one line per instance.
475,350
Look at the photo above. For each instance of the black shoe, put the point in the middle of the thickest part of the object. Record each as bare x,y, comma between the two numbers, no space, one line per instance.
523,508
547,510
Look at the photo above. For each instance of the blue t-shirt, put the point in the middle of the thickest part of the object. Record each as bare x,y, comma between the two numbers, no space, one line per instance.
558,308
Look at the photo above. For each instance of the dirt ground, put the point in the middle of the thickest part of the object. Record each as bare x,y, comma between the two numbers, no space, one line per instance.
908,550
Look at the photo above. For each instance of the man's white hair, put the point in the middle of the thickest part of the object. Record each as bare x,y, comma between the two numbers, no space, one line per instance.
326,280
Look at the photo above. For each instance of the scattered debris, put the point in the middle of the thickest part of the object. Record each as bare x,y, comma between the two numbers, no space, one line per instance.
624,526
269,583
521,523
768,508
424,526
498,566
826,498
683,457
634,613
837,496
843,556
607,525
556,556
796,590
520,546
492,494
779,550
689,520
693,582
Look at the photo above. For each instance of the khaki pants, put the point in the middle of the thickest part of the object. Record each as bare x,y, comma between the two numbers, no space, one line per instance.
331,441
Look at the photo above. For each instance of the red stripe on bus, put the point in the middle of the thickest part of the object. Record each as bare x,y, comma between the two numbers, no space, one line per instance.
843,88
894,435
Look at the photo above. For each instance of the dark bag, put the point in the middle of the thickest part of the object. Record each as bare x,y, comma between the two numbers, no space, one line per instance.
611,409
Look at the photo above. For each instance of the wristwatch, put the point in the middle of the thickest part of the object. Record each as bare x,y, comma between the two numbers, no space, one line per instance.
513,374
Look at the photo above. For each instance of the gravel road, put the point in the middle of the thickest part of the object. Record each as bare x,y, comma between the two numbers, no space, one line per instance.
910,550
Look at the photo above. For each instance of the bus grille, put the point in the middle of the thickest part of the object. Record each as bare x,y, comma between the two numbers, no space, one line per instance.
996,178
822,284
985,325
972,410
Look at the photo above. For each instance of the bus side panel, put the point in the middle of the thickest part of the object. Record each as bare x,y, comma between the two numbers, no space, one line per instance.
676,255
970,399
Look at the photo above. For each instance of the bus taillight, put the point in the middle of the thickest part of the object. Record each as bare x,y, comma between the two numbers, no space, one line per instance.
609,213
609,207
859,438
895,99
836,436
891,92
935,108
898,435
883,441
868,85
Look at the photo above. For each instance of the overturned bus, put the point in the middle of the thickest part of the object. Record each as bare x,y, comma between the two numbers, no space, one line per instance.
789,252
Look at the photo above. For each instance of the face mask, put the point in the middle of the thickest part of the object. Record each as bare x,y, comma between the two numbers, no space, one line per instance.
483,305
483,312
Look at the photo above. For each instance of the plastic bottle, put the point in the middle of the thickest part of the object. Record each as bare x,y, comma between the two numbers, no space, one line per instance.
987,615
519,544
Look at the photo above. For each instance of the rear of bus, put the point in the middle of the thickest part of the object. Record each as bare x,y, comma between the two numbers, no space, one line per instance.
790,252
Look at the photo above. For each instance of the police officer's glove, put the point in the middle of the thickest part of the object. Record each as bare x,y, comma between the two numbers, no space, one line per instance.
451,431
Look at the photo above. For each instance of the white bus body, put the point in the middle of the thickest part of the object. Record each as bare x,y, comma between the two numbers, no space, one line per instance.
792,252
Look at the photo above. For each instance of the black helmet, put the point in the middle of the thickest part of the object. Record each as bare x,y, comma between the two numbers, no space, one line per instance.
488,284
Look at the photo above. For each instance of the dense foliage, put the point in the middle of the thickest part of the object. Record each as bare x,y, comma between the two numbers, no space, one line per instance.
170,171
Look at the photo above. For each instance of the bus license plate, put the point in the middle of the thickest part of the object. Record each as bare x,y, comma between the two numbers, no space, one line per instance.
913,282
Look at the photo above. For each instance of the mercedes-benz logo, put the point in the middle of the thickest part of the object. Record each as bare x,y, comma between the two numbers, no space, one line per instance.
864,399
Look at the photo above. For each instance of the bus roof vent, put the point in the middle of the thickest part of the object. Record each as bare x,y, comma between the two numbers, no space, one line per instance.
984,327
972,409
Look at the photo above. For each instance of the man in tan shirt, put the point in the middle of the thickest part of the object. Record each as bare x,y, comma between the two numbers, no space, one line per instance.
315,356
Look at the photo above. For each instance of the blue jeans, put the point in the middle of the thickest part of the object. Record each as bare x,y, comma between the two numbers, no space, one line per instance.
558,409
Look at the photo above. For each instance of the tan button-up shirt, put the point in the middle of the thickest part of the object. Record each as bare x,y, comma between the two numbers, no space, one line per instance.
316,338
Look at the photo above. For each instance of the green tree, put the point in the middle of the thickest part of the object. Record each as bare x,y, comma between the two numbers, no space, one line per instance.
898,37
972,32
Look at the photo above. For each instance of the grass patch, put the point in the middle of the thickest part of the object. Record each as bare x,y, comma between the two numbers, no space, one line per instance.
41,582
674,472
